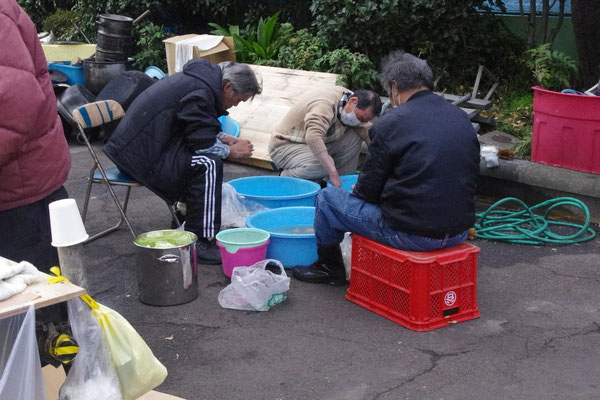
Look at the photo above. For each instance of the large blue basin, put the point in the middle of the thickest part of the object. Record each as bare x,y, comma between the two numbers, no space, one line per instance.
347,181
277,191
292,234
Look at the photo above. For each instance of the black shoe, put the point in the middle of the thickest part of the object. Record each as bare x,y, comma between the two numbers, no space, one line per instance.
207,252
320,273
329,268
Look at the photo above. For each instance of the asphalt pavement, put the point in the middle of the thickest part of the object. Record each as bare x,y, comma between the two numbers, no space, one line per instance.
537,337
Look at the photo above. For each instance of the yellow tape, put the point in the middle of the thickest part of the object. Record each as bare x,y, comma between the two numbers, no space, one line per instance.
59,278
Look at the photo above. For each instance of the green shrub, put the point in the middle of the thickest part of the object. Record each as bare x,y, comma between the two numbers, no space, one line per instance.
301,50
261,44
63,25
90,9
453,36
515,116
151,47
39,10
551,69
355,69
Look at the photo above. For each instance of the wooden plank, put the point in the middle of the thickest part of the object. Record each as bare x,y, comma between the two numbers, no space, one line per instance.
258,117
40,294
53,380
154,395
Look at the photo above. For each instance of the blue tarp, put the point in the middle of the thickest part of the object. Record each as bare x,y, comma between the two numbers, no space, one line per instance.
512,6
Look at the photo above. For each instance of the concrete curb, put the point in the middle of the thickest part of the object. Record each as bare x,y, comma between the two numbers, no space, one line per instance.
534,183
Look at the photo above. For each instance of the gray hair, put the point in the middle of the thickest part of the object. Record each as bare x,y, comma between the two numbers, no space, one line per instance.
243,80
408,71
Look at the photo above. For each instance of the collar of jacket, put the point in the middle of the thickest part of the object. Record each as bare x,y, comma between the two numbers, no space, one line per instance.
211,75
418,94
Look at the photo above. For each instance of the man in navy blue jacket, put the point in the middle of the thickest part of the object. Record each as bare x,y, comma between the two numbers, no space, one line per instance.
170,141
416,190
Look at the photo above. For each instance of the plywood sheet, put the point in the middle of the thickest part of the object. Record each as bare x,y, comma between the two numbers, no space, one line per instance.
258,118
40,294
154,395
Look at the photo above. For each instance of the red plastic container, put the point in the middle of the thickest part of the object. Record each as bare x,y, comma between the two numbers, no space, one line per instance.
420,291
566,130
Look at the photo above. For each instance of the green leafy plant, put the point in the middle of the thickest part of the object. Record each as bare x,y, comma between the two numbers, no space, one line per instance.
151,47
453,36
260,45
301,50
514,114
90,9
63,25
551,69
242,51
523,147
355,69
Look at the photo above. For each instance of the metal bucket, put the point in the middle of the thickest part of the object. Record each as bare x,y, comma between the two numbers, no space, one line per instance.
114,37
97,74
167,275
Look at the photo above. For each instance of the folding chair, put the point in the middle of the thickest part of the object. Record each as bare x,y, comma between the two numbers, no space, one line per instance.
94,115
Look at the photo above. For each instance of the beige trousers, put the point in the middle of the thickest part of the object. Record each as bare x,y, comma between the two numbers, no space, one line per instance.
298,161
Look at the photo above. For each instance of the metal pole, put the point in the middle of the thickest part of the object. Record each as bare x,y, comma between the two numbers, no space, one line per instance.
70,259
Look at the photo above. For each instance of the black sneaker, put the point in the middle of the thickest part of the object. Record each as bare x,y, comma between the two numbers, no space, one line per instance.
207,252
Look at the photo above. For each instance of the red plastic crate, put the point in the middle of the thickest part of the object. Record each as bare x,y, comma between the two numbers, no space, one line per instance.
419,290
566,130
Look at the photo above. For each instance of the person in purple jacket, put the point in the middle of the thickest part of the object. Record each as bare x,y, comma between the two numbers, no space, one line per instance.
34,164
34,155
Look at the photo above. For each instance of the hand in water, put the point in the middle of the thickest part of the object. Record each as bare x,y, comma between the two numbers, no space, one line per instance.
335,181
240,149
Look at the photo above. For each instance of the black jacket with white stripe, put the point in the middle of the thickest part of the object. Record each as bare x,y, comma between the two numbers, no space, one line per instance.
166,124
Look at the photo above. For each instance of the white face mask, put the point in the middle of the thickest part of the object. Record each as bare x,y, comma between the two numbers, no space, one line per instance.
349,119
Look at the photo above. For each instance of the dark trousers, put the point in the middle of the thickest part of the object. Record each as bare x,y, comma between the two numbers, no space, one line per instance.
25,233
202,194
25,236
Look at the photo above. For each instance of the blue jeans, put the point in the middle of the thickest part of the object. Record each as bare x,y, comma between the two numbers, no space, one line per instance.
339,211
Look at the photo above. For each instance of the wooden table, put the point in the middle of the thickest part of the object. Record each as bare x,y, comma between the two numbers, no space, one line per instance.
40,294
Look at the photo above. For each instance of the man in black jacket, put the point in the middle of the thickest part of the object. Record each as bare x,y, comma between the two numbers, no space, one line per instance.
416,190
170,141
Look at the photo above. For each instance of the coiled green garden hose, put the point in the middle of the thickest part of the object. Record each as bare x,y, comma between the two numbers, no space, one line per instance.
525,227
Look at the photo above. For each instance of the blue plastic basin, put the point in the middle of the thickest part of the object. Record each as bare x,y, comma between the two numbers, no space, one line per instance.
229,125
75,75
347,181
277,191
287,226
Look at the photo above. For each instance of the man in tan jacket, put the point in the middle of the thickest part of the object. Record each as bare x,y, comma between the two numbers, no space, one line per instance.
322,134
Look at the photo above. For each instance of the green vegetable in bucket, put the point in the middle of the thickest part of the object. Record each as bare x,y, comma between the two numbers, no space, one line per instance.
165,239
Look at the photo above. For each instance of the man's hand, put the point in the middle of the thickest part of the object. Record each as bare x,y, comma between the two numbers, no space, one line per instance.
335,181
240,149
229,140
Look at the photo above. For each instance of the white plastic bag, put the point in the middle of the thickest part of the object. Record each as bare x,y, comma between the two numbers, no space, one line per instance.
346,246
92,375
490,154
138,370
20,367
255,288
235,208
